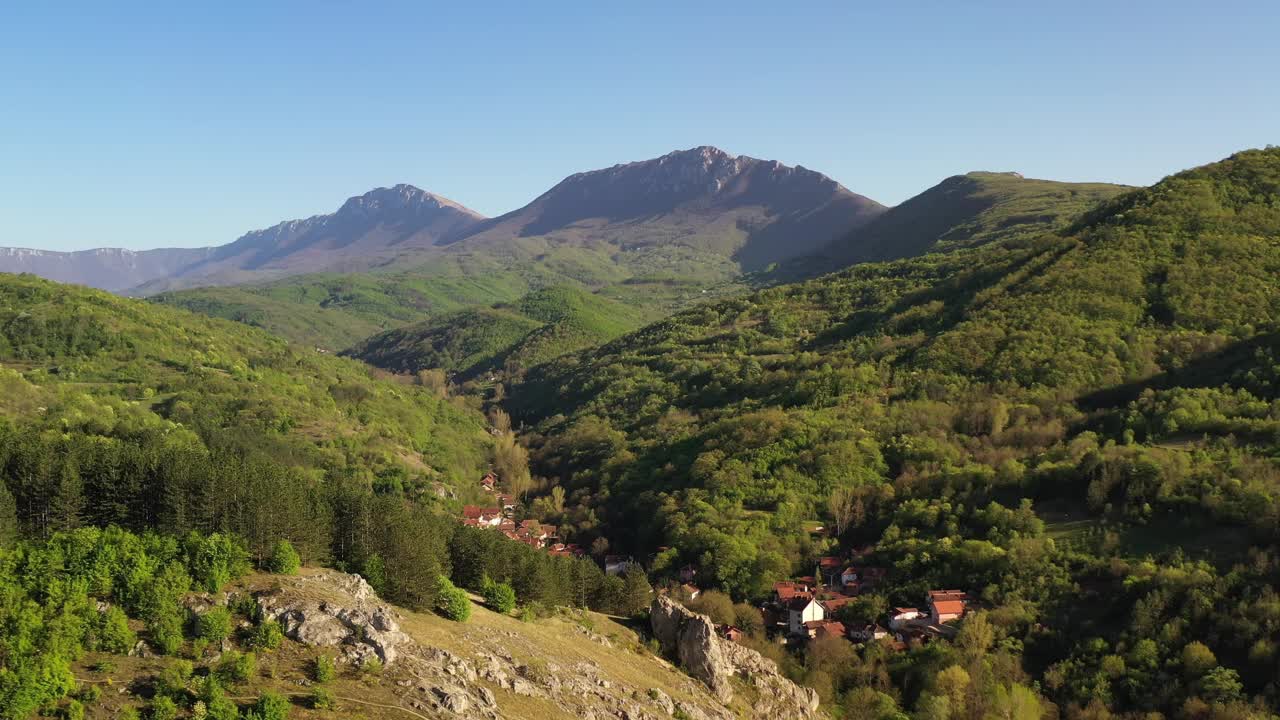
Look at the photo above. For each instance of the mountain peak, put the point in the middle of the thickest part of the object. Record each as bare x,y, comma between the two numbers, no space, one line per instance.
400,197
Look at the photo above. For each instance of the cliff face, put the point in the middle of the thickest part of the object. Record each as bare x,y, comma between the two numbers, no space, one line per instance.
692,639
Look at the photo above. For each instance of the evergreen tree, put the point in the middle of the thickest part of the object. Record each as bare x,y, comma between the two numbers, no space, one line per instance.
66,507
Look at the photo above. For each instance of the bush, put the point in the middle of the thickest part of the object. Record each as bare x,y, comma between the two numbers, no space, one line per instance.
322,669
322,699
372,666
163,708
114,635
217,705
166,632
237,667
245,606
270,706
214,625
73,711
451,601
284,559
174,678
500,597
266,636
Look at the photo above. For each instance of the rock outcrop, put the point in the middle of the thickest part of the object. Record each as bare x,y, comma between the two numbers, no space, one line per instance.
488,673
691,638
333,609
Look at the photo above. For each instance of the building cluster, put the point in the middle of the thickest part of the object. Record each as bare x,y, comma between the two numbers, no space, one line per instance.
806,608
501,516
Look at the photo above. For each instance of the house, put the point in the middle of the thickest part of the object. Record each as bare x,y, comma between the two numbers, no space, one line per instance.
489,482
484,516
829,568
617,564
849,576
947,605
829,628
505,501
730,633
868,633
831,602
785,592
688,573
802,610
903,616
690,591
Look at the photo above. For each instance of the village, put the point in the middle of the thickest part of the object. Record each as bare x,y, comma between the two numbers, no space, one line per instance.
798,611
808,608
501,517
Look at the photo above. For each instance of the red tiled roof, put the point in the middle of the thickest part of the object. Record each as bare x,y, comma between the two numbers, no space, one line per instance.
949,607
829,562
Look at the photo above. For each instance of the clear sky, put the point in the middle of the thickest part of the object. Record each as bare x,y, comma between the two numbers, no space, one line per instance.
184,124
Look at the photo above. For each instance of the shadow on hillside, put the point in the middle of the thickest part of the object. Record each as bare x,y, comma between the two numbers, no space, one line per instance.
1227,366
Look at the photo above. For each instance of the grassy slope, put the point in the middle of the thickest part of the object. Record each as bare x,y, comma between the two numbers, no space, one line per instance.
534,329
968,211
559,640
82,359
334,311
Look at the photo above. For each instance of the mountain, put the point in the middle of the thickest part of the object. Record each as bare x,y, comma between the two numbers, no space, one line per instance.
754,211
704,201
538,327
1072,422
367,231
112,269
966,211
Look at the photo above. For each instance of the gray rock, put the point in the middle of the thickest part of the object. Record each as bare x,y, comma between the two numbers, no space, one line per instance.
692,639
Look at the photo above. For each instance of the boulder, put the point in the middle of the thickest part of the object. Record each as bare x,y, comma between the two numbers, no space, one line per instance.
691,638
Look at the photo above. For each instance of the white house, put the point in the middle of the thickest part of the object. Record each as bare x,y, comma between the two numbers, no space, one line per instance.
802,610
901,617
849,576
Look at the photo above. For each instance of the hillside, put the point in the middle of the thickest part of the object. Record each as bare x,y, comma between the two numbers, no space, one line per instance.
967,211
534,329
369,230
1119,374
754,211
135,391
111,269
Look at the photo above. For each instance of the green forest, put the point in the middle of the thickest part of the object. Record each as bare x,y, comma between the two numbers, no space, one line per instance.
1068,407
1078,426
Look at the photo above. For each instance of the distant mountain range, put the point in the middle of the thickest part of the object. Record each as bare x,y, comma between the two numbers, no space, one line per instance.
755,212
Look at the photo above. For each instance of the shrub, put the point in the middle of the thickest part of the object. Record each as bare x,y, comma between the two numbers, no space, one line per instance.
165,630
322,669
114,635
73,711
284,559
451,601
245,606
500,597
270,706
322,699
266,636
237,667
214,625
372,666
217,705
163,708
174,678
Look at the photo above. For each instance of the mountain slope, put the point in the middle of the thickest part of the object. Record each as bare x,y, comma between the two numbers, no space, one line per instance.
538,327
754,211
884,369
120,369
367,231
112,269
967,211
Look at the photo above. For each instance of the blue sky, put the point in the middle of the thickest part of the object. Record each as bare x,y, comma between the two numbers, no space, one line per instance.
187,124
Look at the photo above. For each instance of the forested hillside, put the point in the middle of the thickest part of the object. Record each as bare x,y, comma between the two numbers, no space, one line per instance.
1078,426
511,336
120,411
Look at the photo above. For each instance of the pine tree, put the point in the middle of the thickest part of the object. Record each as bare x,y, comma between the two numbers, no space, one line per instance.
8,516
66,507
